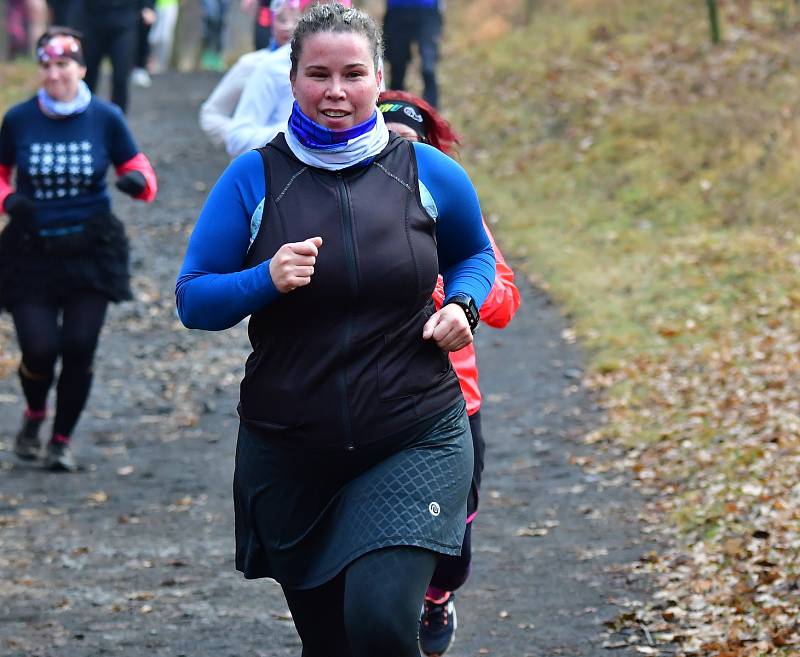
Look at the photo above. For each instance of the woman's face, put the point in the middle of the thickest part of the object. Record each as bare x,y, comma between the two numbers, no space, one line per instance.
403,130
283,24
335,83
60,77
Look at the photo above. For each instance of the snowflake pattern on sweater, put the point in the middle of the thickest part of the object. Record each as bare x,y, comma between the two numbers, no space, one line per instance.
60,169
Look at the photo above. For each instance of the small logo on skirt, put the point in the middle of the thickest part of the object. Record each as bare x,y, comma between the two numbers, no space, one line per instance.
433,507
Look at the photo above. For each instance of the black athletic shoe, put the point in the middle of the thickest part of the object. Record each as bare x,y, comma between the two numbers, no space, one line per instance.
26,443
437,626
59,457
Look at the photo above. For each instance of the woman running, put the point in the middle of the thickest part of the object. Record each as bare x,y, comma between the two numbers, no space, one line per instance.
354,456
63,254
414,119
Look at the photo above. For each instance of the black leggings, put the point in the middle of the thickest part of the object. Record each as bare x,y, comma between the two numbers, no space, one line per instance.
371,608
142,45
452,571
402,26
42,340
118,42
66,13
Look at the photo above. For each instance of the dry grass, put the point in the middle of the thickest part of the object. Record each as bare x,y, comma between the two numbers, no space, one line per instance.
648,181
18,81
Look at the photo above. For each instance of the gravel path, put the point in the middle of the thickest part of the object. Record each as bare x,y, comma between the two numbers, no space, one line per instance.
134,556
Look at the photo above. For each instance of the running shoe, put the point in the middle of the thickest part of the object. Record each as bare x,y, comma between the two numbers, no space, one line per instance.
59,457
141,78
437,625
26,443
212,61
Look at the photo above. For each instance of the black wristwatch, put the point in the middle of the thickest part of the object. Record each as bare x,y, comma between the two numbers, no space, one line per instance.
467,304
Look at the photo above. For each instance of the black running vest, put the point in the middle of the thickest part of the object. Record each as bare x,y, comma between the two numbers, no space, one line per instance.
341,362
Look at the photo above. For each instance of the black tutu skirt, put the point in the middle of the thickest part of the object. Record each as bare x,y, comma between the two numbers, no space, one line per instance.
59,259
303,516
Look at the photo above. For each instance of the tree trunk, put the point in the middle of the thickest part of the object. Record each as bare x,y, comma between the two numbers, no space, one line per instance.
713,19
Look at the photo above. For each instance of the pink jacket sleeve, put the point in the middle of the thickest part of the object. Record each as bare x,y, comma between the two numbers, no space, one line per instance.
503,301
140,163
5,184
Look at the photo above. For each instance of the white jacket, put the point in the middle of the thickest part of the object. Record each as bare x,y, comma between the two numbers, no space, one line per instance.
265,105
216,113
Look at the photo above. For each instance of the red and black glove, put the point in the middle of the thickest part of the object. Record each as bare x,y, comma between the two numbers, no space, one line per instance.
132,183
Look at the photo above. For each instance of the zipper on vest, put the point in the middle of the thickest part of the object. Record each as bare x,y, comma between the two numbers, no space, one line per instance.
352,275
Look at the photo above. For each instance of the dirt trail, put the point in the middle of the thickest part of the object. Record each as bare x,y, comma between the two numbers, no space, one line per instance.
134,555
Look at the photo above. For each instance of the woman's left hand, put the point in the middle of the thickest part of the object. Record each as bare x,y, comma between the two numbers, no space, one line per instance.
448,328
133,183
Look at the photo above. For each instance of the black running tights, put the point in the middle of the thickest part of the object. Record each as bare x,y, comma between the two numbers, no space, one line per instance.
43,338
372,608
118,42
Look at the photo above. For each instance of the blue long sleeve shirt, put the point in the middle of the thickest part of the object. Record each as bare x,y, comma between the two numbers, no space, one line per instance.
214,292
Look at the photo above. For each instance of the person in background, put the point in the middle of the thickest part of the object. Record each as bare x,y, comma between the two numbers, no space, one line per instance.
66,13
63,254
18,38
414,119
262,21
162,34
37,18
140,75
407,22
262,32
354,457
214,13
262,68
111,30
25,20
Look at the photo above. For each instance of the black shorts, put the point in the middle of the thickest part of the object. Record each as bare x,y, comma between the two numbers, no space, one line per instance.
303,516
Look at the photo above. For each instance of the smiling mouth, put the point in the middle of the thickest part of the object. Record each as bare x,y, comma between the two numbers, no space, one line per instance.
335,114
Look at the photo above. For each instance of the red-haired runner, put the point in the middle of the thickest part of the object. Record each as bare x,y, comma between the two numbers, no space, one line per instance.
414,119
63,254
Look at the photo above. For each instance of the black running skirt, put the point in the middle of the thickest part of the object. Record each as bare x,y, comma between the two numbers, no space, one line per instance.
55,262
302,516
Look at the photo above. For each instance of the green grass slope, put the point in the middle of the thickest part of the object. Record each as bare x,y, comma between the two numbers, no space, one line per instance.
648,180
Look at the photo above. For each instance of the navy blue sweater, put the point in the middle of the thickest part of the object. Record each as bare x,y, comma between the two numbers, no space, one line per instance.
62,163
